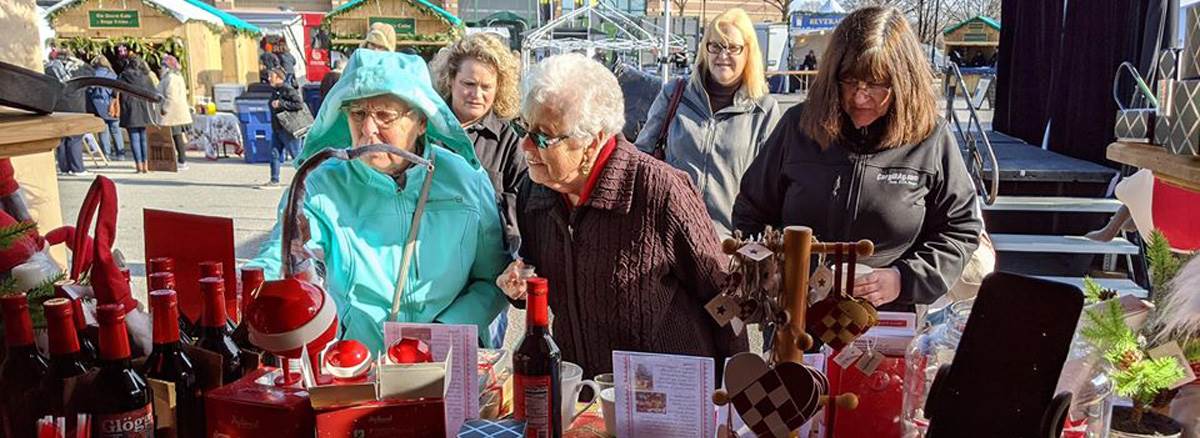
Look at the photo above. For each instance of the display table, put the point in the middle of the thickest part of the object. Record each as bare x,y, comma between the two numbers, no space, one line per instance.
1179,170
212,133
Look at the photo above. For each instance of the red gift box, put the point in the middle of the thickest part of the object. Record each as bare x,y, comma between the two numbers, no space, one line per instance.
880,400
253,407
389,418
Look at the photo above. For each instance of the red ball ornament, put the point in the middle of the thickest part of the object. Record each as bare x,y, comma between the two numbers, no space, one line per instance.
348,359
289,314
409,350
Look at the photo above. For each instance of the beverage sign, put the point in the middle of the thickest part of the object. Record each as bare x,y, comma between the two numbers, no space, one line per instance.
118,19
404,26
816,21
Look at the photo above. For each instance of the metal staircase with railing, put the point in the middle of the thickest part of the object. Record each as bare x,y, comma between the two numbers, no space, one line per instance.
978,152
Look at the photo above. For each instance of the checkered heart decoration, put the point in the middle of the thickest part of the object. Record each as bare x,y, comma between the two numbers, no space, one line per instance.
773,401
838,321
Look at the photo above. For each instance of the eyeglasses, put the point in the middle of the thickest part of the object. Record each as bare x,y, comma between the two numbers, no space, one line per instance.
715,48
542,141
383,117
876,91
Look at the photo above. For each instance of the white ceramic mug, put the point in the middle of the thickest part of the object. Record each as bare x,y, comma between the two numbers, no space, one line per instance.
860,271
572,383
608,407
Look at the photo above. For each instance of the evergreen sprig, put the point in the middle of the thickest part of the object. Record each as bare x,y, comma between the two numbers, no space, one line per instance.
1094,293
1105,328
11,233
1164,264
1143,379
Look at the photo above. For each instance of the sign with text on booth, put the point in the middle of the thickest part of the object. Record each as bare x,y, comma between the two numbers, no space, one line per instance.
403,26
111,19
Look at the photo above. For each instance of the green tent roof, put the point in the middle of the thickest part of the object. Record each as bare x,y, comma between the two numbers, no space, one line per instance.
454,21
985,19
229,19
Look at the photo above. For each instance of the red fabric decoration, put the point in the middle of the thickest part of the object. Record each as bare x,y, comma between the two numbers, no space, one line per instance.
8,181
410,350
95,254
21,249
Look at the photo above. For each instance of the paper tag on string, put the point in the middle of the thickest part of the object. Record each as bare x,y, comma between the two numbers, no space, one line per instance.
870,362
723,308
847,356
1172,350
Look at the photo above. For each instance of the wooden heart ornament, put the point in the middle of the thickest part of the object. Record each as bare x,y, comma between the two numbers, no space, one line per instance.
773,401
838,322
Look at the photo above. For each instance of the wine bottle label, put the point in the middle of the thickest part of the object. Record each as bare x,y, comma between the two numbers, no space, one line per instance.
133,424
531,403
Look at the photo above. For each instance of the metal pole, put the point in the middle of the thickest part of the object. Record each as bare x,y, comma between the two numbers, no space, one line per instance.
937,29
664,57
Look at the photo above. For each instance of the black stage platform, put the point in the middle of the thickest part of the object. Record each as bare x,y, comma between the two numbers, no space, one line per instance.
1021,162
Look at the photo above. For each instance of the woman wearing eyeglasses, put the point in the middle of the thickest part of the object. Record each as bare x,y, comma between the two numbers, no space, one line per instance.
623,238
866,157
722,118
360,212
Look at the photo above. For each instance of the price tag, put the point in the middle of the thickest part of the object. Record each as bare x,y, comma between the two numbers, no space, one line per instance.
870,362
847,356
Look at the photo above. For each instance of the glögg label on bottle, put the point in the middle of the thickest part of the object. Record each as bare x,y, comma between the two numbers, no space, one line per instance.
132,424
533,404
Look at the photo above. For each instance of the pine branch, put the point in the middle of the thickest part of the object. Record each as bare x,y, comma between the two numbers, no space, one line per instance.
1143,379
12,233
1105,328
1163,264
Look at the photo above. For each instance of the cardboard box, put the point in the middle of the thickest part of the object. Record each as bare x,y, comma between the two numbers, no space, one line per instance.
390,419
880,400
1184,120
387,382
253,407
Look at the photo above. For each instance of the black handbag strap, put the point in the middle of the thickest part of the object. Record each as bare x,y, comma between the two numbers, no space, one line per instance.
661,143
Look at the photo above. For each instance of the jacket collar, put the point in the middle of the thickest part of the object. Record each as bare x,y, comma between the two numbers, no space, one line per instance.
698,95
613,190
489,125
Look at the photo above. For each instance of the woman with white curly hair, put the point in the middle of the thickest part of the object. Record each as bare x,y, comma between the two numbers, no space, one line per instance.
624,239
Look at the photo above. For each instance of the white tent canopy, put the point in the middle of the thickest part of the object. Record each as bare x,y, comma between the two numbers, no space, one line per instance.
628,37
180,9
832,7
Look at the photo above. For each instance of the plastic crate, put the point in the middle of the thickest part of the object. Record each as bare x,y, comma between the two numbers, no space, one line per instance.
224,96
312,97
255,117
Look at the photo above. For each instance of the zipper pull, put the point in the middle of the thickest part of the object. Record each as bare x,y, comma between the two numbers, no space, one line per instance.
837,185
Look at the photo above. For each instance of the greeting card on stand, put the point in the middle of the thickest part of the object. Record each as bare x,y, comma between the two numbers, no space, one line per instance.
462,397
191,239
663,395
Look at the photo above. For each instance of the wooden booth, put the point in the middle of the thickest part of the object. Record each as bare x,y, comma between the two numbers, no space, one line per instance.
217,47
974,45
418,23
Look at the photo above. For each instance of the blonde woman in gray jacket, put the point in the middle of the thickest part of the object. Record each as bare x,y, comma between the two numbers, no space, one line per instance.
723,116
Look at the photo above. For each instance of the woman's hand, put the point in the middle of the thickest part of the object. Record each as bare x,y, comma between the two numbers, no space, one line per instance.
880,287
512,280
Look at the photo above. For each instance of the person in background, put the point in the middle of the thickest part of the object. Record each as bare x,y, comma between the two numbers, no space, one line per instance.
381,36
267,60
360,211
478,77
175,111
287,62
283,98
102,103
810,61
64,65
723,118
623,238
136,114
868,157
330,79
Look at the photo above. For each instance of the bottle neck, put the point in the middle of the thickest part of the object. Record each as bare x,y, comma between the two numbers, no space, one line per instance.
64,340
18,327
114,342
214,310
537,314
166,324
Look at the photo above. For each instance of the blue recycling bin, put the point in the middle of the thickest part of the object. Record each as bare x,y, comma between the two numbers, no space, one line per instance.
255,117
312,97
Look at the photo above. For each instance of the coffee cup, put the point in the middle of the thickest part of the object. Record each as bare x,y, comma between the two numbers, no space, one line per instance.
571,376
608,408
605,381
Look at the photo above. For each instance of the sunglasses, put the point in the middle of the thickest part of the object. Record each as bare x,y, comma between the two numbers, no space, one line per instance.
542,141
383,117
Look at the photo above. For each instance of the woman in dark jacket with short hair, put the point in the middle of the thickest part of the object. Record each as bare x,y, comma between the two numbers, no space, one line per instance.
136,114
867,158
99,102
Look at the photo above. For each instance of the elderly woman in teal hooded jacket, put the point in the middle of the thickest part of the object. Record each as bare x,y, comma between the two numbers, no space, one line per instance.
360,211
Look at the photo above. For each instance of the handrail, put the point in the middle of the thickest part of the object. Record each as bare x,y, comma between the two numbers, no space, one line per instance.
970,138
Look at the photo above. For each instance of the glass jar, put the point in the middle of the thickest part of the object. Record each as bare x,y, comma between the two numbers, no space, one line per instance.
1085,375
929,351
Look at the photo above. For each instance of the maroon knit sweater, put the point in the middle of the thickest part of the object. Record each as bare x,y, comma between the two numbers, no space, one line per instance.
630,269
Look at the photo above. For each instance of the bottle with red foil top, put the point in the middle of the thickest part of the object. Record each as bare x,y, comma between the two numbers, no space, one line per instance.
87,338
166,281
23,367
214,335
216,269
65,363
120,401
170,363
252,280
537,387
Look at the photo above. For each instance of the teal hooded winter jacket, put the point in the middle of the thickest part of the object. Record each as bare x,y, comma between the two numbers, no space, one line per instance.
360,218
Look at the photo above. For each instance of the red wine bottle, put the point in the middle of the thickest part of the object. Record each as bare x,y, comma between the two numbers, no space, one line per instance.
119,399
170,363
65,363
214,334
252,280
23,367
87,338
537,386
161,264
216,269
165,280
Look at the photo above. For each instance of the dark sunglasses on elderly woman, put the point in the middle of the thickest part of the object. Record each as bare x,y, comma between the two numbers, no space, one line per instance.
542,141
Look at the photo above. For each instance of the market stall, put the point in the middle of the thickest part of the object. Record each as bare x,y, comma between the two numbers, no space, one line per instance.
419,24
213,46
973,44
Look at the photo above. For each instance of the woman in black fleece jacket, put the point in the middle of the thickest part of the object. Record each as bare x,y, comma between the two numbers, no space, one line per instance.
866,157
